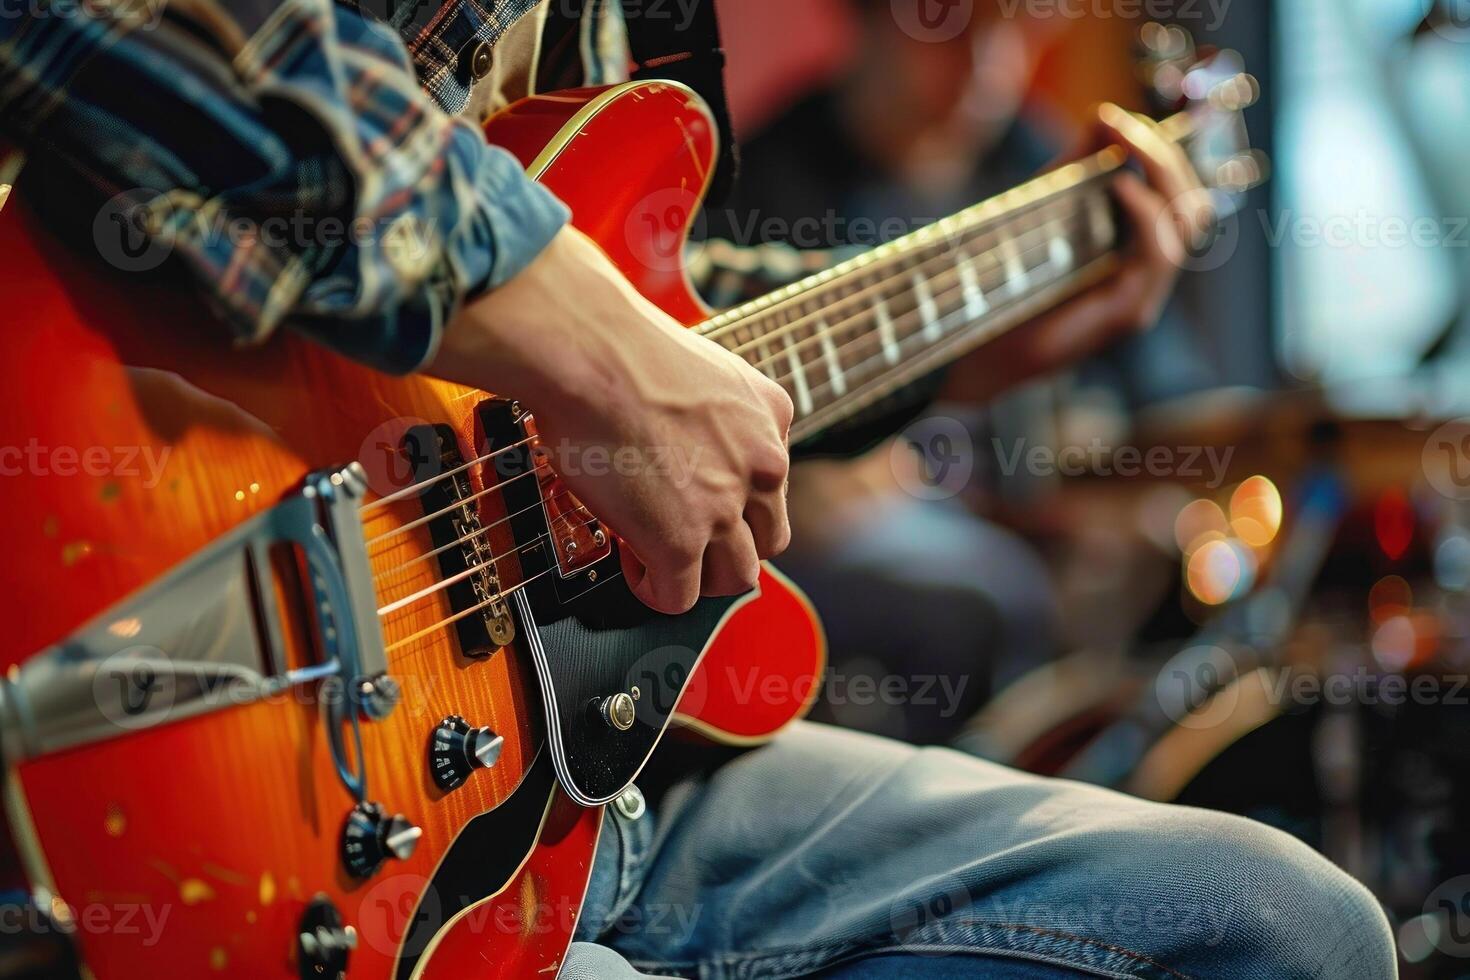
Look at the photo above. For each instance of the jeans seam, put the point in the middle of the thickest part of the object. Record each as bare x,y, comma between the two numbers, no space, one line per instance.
797,961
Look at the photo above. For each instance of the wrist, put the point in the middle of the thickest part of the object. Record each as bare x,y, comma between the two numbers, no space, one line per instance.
535,337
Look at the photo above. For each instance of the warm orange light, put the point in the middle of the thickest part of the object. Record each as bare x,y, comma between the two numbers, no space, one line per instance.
1406,642
1197,519
1218,571
1255,511
125,628
1390,596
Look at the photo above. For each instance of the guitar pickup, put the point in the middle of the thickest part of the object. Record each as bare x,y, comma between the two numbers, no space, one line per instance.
466,557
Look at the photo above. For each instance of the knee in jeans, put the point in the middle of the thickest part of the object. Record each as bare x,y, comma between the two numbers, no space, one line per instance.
1270,905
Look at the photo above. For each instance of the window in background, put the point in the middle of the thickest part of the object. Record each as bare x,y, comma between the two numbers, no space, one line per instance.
1369,277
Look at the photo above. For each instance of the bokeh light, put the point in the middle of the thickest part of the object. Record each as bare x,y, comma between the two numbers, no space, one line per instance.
1196,520
1220,570
1393,522
1390,596
1255,511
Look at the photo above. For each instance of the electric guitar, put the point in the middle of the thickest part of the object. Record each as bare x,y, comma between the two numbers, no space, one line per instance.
311,671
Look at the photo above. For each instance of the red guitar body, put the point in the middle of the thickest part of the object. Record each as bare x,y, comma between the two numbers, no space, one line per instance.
137,436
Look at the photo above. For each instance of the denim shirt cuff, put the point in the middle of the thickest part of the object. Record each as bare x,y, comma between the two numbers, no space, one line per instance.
515,220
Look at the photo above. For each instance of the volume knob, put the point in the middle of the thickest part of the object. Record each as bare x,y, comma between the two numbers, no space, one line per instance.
456,750
370,837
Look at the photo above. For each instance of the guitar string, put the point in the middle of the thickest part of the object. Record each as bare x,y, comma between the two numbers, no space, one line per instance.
451,620
395,606
959,238
1099,165
858,318
901,323
466,538
422,484
948,256
1178,129
420,521
498,597
880,363
466,572
944,324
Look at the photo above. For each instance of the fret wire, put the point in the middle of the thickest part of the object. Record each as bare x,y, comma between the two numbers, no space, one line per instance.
950,270
958,308
1069,179
949,251
809,402
976,333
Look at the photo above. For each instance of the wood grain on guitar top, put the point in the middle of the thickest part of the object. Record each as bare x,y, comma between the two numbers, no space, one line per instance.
143,435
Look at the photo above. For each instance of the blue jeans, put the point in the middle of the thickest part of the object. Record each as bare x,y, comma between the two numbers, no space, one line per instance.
827,848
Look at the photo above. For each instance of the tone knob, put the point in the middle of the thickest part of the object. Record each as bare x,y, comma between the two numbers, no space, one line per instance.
456,750
618,711
370,837
323,943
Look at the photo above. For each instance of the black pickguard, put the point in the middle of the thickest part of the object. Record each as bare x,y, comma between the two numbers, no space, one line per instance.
591,637
609,642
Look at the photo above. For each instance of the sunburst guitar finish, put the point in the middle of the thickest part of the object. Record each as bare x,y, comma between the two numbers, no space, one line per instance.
190,821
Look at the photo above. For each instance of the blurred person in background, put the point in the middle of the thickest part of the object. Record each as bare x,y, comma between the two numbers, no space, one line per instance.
873,845
909,582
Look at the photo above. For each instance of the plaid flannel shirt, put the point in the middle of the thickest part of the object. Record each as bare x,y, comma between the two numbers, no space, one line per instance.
286,153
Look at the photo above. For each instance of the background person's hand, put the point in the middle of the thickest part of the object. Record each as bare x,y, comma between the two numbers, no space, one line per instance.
1168,213
604,369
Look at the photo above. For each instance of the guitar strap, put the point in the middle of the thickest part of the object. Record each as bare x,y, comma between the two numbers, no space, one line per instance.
682,42
667,39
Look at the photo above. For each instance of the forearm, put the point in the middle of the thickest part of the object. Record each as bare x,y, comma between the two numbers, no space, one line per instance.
293,164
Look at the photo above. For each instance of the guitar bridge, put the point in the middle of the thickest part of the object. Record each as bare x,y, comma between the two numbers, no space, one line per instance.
555,534
466,557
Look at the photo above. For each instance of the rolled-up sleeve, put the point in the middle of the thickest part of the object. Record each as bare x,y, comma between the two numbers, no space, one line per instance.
285,154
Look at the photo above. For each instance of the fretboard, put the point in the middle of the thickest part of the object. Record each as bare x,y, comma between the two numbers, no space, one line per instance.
842,339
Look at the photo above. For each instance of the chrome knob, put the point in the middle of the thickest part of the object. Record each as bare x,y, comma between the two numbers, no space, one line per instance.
456,750
618,711
370,837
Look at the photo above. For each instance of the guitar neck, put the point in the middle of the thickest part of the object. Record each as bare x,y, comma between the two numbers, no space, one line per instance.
842,339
